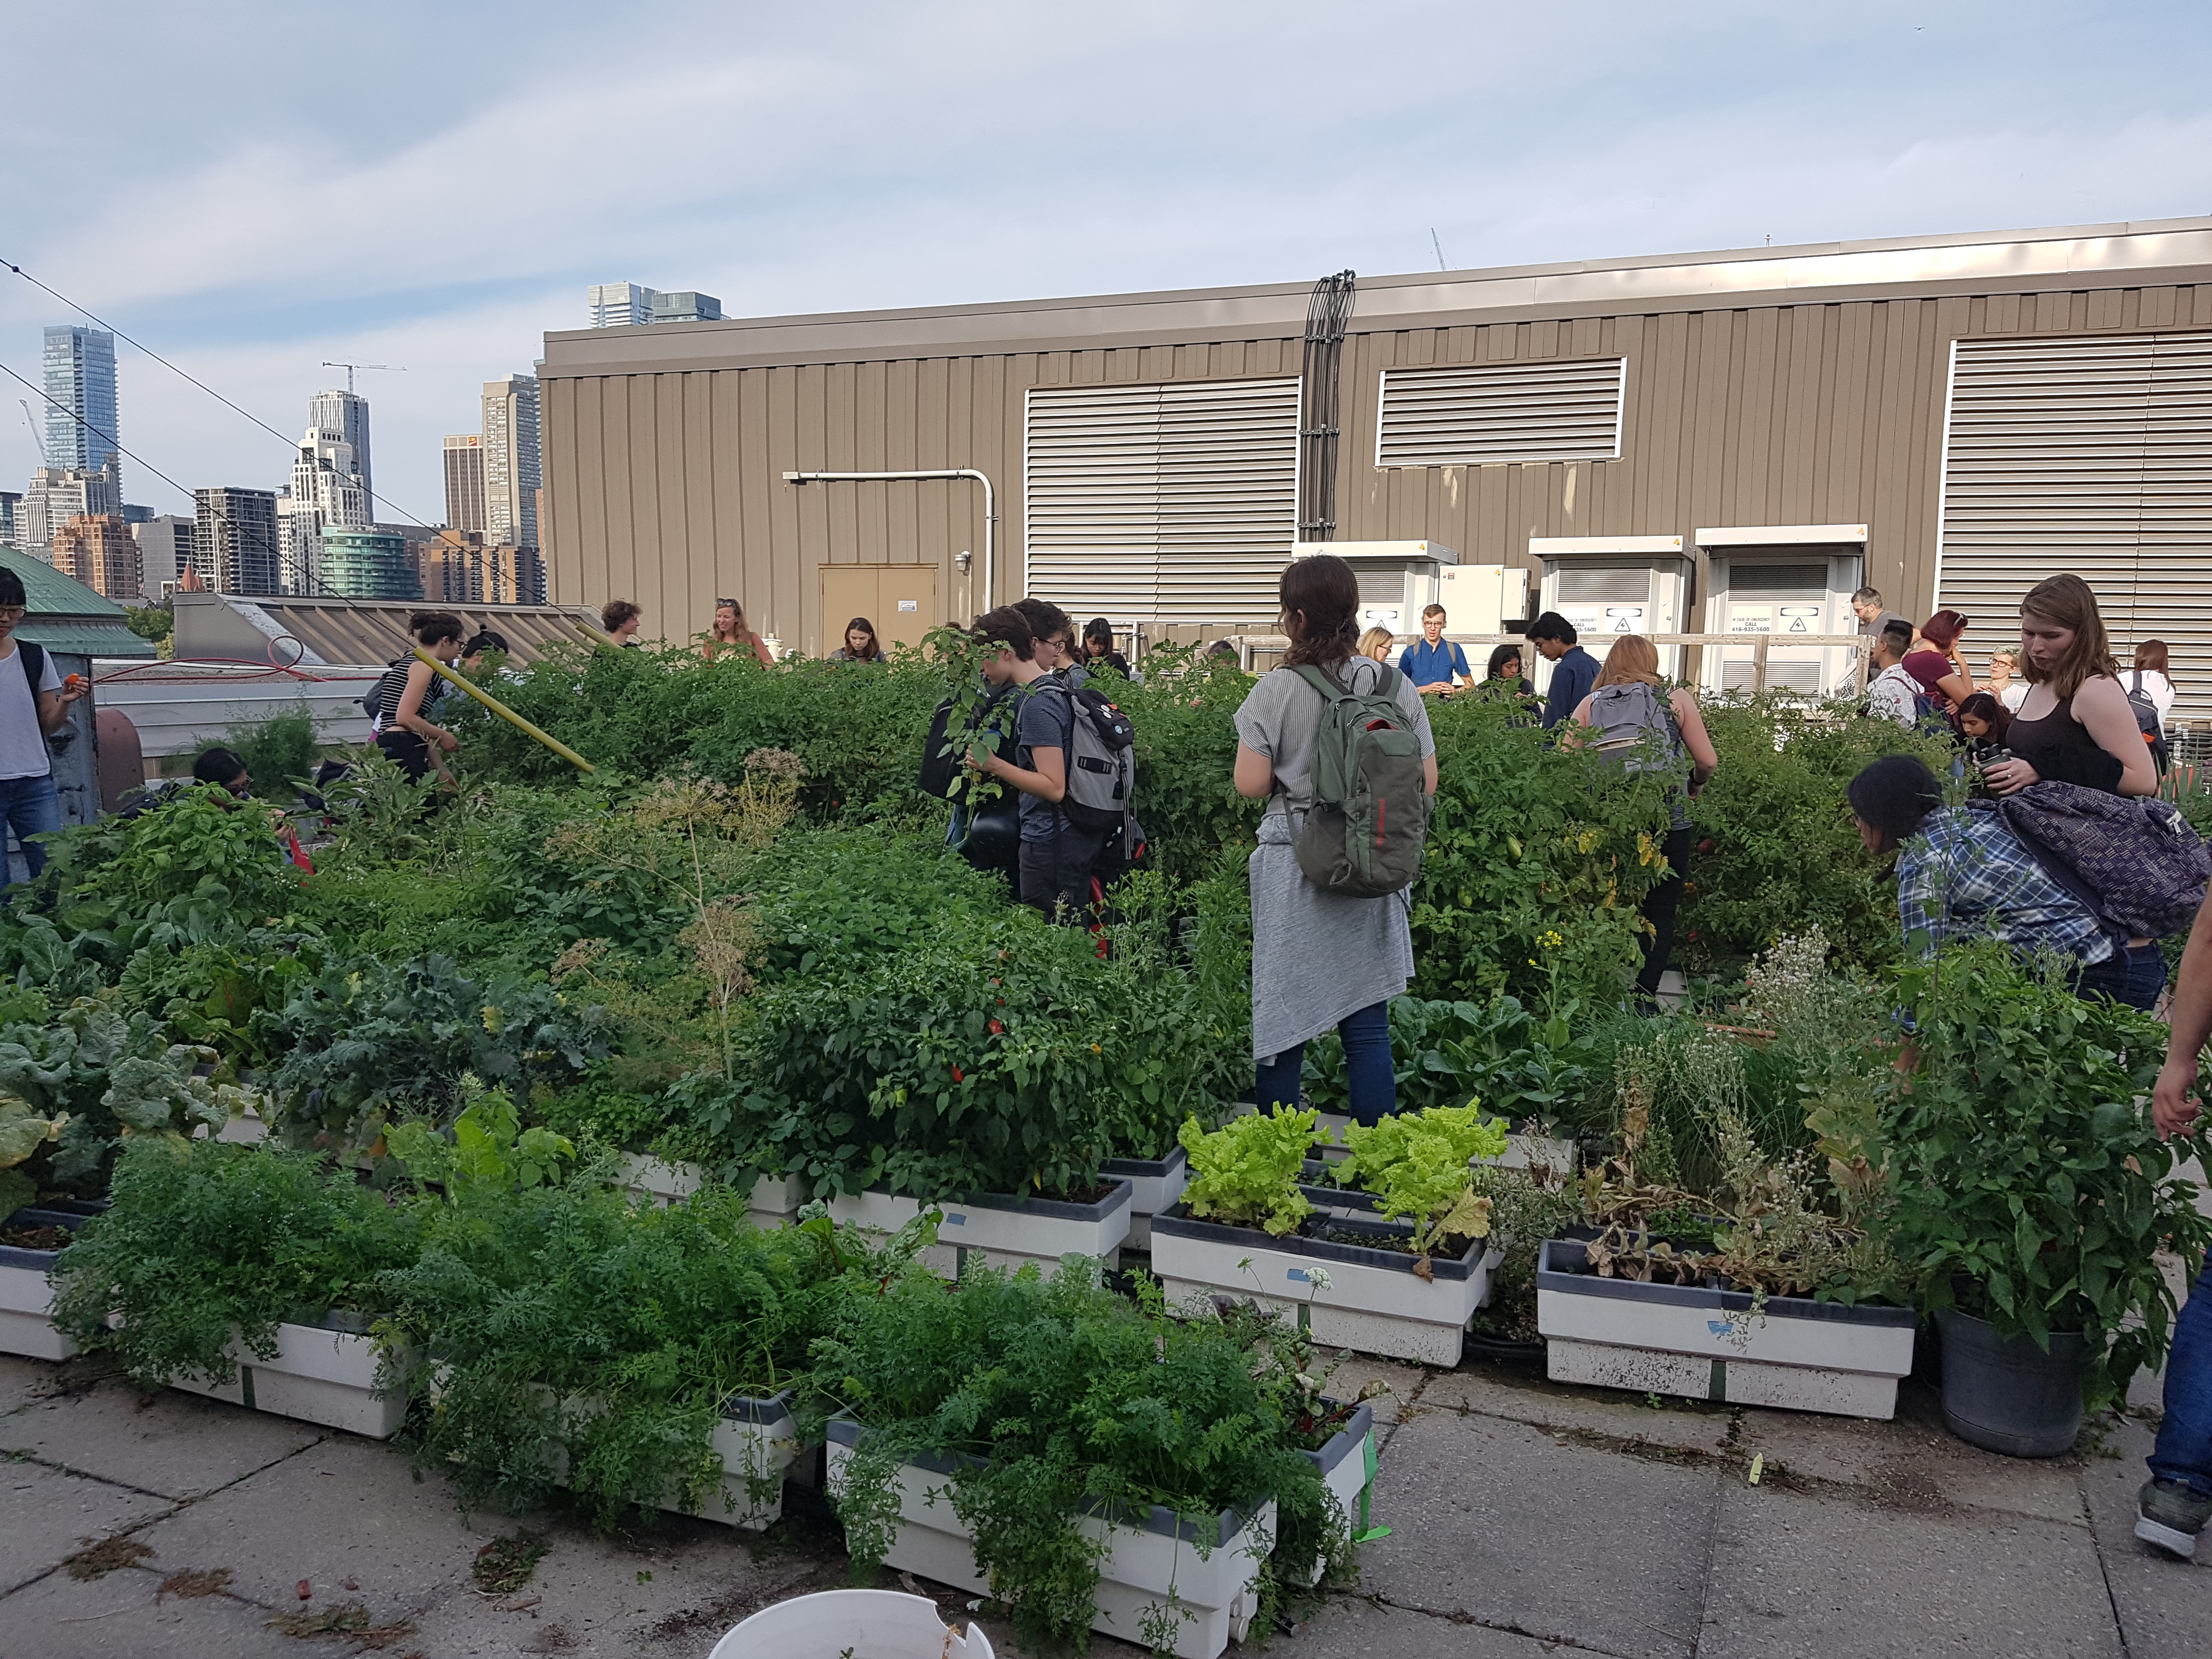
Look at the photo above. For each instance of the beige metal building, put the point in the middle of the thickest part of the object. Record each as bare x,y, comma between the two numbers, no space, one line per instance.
1725,442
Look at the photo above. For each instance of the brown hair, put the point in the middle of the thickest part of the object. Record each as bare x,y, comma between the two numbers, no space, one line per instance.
1633,660
1047,620
1943,630
2065,601
1320,598
1008,627
614,612
428,626
2150,655
862,625
739,630
1428,610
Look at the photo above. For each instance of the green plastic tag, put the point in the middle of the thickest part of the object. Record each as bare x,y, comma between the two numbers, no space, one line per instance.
1367,1531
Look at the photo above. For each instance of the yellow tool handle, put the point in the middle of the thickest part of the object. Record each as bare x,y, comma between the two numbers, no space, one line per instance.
507,714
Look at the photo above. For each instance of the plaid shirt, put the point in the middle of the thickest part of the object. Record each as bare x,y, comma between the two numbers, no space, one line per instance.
1965,875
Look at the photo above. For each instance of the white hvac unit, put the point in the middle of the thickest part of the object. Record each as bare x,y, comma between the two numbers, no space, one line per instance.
1479,599
1609,584
1781,580
1397,580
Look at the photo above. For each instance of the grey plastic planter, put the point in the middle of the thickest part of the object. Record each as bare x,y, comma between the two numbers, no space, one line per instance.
1155,1184
773,1202
1721,1345
327,1373
999,1229
26,1295
2006,1395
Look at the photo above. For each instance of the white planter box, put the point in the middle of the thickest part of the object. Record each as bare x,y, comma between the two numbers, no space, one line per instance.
1152,1566
321,1374
1003,1232
1374,1301
1155,1184
757,1441
775,1201
1791,1351
26,1295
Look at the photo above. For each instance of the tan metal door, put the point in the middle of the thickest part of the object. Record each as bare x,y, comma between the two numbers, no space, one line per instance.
900,599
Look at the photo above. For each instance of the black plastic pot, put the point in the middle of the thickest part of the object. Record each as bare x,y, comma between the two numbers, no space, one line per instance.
2005,1393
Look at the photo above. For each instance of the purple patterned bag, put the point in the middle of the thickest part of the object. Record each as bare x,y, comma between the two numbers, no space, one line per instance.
2146,867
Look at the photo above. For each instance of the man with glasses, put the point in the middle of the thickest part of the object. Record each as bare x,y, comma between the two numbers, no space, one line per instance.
33,702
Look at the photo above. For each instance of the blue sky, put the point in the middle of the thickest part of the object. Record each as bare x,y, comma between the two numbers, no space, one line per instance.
251,188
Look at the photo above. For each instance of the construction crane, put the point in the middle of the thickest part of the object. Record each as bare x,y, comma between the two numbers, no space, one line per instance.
386,368
37,437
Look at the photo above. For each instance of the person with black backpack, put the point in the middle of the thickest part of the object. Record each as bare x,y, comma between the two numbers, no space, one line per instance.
35,703
1339,746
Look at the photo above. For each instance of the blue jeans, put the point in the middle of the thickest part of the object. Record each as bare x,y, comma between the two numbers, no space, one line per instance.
31,808
1367,1067
2184,1451
2133,974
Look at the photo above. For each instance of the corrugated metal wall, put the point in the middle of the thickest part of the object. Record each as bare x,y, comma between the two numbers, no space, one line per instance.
667,488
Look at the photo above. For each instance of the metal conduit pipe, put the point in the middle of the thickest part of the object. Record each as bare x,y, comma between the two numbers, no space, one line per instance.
990,508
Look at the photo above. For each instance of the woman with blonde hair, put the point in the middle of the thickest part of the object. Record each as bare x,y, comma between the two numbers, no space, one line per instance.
2074,724
2005,684
1376,643
1647,727
729,632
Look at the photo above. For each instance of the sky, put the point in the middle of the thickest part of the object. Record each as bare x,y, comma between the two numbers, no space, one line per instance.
250,189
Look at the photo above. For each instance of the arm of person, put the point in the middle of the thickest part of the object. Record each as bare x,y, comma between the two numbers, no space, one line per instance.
761,652
1048,782
54,706
1255,774
1705,759
2174,1097
1956,687
1570,739
409,716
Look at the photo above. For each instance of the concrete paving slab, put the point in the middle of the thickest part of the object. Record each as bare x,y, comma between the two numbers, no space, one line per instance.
1520,1397
345,1508
1503,1524
1908,1465
123,1616
22,1381
1352,1372
45,1514
1360,1628
176,1445
1795,1577
2165,1605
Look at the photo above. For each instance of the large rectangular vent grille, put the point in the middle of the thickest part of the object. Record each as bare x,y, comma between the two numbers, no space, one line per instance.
1472,416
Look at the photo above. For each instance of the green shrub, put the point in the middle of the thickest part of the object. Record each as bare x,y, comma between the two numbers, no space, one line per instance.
1447,1054
278,752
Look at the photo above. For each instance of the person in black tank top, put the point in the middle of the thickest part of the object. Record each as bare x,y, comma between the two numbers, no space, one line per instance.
2074,724
407,734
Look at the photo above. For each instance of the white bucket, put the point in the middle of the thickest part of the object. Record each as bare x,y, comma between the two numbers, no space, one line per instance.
863,1624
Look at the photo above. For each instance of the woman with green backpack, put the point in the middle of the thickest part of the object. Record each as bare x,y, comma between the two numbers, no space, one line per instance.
1339,746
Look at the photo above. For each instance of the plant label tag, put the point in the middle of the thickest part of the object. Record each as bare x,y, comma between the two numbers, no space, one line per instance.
956,1220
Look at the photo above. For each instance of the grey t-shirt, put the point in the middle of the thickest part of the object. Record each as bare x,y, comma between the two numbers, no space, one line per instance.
1875,627
1046,721
1280,718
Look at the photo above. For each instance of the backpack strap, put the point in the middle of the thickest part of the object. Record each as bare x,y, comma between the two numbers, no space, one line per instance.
34,666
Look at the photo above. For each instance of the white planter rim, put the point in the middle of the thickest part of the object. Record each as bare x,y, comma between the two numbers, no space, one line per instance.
1347,1440
1560,1270
1179,1222
753,1408
1157,1168
848,1432
1059,1209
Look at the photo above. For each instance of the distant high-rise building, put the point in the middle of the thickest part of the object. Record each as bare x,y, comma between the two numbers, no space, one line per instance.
464,482
234,540
99,551
165,550
687,306
58,493
134,514
10,500
620,305
326,492
511,461
81,429
368,564
344,417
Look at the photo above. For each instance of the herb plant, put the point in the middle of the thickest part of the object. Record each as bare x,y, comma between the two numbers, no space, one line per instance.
1246,1172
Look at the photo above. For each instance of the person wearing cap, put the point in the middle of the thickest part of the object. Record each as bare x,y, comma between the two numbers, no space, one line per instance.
35,703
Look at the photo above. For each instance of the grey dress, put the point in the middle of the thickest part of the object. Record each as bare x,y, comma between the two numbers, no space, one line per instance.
1316,956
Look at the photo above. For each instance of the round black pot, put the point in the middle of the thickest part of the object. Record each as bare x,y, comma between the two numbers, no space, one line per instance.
2005,1393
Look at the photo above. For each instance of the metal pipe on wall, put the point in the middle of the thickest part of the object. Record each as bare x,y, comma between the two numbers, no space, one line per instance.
990,507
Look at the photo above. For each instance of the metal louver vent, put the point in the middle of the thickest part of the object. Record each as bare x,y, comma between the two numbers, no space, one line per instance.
2092,456
1497,412
1175,502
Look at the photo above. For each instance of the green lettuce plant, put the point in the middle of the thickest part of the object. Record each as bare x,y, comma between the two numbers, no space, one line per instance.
1418,1165
1246,1172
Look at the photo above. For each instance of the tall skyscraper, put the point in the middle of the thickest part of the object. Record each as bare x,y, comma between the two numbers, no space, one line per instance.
343,415
368,564
620,305
511,461
234,543
56,495
165,550
99,551
327,493
464,482
688,306
82,433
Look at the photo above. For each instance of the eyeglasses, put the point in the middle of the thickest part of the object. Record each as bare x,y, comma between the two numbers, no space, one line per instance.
13,612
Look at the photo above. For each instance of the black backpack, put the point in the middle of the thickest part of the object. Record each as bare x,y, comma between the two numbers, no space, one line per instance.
2146,721
940,759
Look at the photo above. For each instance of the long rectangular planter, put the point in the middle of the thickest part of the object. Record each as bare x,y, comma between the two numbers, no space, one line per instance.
26,1294
1369,1299
322,1373
1000,1231
1708,1344
1155,1184
1152,1567
757,1441
775,1201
